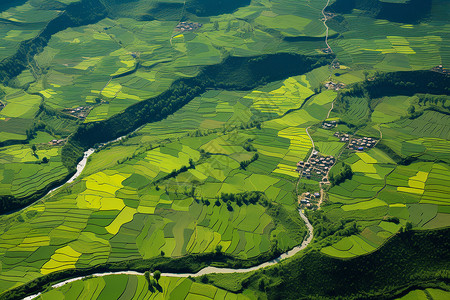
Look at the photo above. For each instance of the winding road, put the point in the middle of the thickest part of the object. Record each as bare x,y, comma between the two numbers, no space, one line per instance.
325,24
207,270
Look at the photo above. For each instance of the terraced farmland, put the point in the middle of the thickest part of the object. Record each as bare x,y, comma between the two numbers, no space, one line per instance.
136,287
217,125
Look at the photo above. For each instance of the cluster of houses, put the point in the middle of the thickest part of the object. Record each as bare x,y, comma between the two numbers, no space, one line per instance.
79,112
441,69
329,125
56,142
336,65
187,26
306,199
360,144
316,166
343,137
334,85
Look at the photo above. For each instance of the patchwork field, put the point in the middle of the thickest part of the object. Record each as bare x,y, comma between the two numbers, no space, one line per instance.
136,287
218,175
22,171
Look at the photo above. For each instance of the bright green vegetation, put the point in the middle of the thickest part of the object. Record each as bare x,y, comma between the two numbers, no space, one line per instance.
408,46
23,172
393,276
116,213
136,287
426,294
111,64
223,115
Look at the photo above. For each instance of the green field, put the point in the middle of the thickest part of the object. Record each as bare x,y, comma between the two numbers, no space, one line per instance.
212,167
136,287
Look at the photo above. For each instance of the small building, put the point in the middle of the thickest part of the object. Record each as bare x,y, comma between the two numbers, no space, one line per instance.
317,195
360,148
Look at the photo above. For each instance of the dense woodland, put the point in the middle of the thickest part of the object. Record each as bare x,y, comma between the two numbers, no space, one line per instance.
409,260
413,11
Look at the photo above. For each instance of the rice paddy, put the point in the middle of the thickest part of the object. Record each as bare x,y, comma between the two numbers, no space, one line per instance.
160,191
136,287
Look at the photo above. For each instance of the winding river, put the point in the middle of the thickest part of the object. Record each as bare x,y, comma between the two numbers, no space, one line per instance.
207,270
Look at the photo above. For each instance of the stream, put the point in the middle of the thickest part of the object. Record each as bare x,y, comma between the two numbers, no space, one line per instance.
206,270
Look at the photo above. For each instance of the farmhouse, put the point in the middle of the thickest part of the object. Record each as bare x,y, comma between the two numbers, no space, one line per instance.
334,85
56,142
329,125
307,199
441,69
360,144
317,166
80,112
187,26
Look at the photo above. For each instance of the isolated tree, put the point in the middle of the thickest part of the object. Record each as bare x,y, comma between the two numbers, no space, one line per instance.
157,275
191,163
409,226
219,249
147,277
33,148
204,279
163,253
45,160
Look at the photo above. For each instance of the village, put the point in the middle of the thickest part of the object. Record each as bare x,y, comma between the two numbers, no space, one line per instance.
188,26
57,142
334,85
329,124
80,112
316,167
309,200
361,144
440,69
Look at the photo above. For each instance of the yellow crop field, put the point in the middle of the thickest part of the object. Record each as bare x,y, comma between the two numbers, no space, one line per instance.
88,62
290,95
299,143
362,167
366,158
105,183
63,259
48,93
146,209
364,205
111,90
410,190
125,216
286,170
111,204
165,162
397,205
